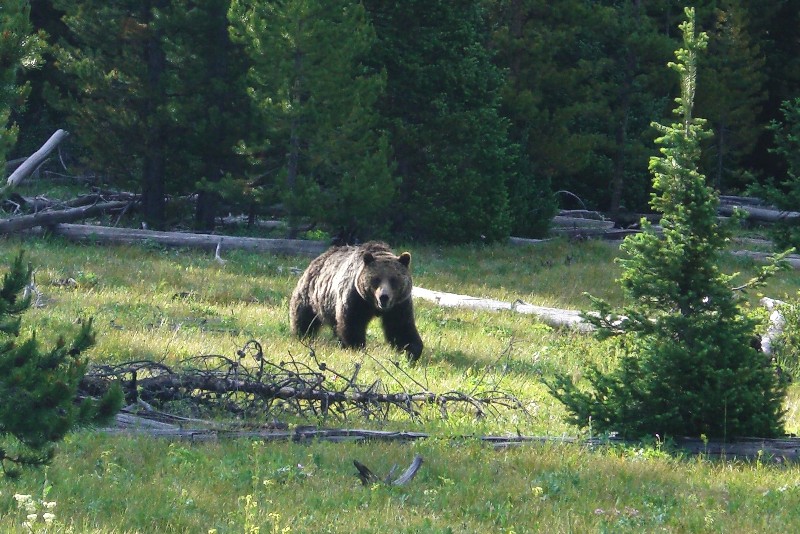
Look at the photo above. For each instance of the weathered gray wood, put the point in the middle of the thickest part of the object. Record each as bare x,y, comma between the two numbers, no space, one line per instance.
551,316
104,234
560,221
582,214
49,218
791,259
778,450
732,200
760,214
30,164
523,241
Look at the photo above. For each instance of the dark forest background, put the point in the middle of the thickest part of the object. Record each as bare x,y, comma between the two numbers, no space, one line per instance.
442,121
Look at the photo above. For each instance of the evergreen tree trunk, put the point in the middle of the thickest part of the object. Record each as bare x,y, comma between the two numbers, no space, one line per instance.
618,179
206,210
153,177
219,69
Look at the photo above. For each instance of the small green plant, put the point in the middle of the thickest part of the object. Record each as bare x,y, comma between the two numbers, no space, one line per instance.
38,388
689,367
317,234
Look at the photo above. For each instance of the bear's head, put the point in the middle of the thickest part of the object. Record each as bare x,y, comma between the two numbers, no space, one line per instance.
384,280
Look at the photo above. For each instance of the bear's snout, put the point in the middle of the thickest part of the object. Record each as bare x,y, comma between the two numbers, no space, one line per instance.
383,300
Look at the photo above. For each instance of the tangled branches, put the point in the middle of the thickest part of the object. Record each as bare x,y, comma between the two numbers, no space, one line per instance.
250,384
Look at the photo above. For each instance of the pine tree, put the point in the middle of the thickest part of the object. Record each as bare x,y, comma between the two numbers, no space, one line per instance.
689,367
324,153
19,47
441,106
38,387
114,93
584,82
154,92
785,192
732,77
211,109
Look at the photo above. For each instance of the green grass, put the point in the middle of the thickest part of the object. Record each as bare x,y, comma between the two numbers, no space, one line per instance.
168,305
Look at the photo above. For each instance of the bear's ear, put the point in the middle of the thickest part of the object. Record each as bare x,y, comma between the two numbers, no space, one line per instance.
405,258
368,258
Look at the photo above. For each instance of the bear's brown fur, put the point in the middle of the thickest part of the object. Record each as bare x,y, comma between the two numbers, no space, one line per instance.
346,287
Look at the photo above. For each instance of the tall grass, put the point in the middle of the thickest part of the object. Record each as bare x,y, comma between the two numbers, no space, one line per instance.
167,305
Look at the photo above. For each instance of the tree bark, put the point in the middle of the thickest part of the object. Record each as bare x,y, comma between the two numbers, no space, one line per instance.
153,177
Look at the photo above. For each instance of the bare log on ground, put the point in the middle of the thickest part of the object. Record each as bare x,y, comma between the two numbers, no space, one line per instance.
550,316
36,159
103,234
167,426
756,213
572,223
791,259
524,241
42,203
50,218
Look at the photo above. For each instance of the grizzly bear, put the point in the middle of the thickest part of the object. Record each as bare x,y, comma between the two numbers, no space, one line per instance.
346,287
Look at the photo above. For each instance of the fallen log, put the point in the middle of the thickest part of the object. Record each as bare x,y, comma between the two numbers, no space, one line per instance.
582,214
30,164
550,316
732,200
791,259
759,214
777,450
104,234
524,241
560,221
50,218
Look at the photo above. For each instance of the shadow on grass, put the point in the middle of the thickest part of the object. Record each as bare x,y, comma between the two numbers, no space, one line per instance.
460,360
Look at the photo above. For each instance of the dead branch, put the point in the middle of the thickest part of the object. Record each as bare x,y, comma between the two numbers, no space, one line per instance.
49,218
368,478
250,383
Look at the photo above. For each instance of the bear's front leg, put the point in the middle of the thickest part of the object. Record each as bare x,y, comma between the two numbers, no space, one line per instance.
351,324
401,330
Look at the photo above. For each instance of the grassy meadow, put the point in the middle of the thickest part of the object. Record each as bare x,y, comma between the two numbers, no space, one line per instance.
167,305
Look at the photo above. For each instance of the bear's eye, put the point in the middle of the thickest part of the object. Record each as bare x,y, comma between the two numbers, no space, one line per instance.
375,282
